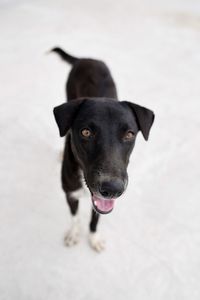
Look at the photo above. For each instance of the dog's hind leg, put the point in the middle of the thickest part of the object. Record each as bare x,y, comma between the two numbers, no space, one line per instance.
96,242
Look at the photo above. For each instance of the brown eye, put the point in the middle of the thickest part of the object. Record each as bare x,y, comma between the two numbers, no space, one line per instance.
86,132
129,135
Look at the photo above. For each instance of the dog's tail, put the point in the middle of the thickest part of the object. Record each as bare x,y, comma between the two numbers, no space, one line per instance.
67,57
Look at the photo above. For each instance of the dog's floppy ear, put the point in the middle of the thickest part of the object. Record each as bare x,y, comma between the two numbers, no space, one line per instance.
144,117
65,114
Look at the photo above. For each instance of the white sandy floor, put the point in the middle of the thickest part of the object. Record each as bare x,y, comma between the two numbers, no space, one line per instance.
153,235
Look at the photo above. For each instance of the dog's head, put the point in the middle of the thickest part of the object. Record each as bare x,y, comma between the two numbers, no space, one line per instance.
103,133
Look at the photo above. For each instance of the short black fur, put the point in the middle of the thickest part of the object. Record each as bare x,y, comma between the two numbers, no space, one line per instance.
103,158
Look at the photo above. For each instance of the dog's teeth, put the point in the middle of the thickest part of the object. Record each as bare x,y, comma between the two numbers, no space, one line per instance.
95,202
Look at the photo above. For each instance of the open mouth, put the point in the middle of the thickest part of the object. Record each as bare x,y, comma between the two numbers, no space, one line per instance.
102,205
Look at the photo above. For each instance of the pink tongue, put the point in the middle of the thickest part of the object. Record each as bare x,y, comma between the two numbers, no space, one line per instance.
104,205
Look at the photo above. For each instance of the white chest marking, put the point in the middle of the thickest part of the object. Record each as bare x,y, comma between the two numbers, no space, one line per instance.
80,192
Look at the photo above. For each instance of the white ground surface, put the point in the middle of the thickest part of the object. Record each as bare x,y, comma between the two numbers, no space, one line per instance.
153,235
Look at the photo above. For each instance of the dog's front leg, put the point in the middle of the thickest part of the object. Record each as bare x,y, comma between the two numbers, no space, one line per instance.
96,242
73,234
72,186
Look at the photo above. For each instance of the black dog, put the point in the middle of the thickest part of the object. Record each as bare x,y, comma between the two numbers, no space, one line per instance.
100,136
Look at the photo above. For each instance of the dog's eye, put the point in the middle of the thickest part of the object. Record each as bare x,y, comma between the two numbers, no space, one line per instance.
129,135
86,132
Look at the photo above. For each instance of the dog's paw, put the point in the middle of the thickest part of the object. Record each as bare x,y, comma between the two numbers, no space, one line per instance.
72,237
60,156
96,242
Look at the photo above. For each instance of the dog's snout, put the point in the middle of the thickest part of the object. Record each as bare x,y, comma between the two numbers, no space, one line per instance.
111,189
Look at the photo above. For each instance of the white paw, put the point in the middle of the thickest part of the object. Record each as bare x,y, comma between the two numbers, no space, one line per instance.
73,235
60,156
96,242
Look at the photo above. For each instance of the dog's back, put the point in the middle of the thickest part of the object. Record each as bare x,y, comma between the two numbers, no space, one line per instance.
88,78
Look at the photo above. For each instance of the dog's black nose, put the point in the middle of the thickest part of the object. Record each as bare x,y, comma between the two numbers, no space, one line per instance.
111,189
